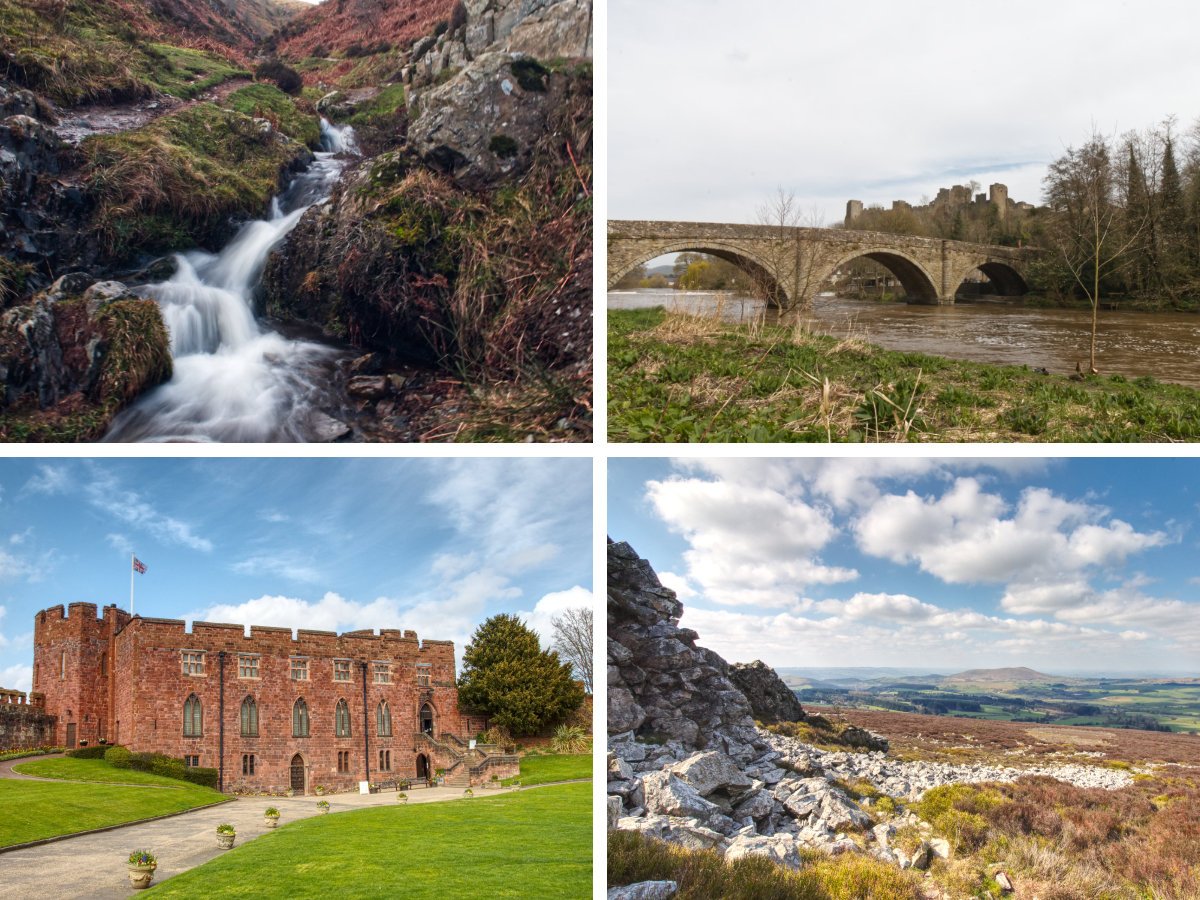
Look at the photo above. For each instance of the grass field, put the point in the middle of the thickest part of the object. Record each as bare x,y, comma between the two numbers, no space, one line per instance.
34,810
675,377
92,770
527,844
553,767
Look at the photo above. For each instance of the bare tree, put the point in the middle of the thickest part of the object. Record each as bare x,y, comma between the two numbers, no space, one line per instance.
791,257
1092,232
573,641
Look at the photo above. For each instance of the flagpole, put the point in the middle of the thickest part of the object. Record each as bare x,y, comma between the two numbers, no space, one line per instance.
131,584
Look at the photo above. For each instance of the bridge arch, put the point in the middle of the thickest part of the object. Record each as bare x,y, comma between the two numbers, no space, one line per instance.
1007,279
754,265
918,283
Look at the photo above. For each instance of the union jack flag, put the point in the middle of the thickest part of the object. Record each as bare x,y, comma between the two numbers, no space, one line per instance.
139,566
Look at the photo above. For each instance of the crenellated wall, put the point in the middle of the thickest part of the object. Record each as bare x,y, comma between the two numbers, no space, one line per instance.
24,723
123,678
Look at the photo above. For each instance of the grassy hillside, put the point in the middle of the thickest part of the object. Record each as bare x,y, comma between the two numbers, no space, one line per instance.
79,53
365,25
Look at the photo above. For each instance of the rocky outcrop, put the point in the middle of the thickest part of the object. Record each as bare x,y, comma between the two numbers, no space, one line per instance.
688,766
661,686
76,355
770,699
42,213
484,123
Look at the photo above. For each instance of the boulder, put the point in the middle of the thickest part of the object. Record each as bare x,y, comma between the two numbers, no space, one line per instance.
711,771
562,30
482,124
770,699
669,795
370,386
940,847
779,848
644,890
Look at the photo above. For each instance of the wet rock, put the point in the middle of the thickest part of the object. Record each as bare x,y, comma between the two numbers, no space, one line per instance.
104,292
369,386
326,429
396,383
368,364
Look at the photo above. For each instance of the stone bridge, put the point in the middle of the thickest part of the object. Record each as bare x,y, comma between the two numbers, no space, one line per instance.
790,264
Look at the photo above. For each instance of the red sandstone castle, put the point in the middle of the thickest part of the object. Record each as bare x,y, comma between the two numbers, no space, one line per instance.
268,711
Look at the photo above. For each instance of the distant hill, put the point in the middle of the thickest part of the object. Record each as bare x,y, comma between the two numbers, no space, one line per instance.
335,25
263,17
1006,676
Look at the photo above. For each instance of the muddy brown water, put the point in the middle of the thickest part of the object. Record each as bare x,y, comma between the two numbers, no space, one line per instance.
1164,345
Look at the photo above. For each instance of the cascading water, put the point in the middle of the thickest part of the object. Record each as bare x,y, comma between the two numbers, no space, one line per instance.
235,380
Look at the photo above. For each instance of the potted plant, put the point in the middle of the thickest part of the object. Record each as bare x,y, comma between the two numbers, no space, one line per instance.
319,790
225,836
141,866
401,797
468,793
439,775
323,806
271,817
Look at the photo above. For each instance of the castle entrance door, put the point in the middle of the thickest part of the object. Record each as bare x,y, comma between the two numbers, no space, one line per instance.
298,774
427,719
70,734
422,767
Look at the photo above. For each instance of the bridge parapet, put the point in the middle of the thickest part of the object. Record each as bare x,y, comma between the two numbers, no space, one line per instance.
791,263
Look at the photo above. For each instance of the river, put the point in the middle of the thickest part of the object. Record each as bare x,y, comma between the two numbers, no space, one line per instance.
1165,345
235,378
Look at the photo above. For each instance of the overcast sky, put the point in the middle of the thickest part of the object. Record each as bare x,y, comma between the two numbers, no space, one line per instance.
436,546
713,103
1062,565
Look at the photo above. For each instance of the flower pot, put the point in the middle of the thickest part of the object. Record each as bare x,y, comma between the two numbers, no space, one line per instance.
271,821
324,810
141,876
225,841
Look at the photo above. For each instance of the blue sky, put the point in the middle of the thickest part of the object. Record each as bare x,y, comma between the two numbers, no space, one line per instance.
715,103
1064,565
432,545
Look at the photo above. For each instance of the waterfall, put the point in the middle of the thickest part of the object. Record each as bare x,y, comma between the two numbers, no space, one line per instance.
235,380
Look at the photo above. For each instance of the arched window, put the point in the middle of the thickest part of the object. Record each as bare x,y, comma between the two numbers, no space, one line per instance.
341,719
249,718
300,719
192,718
383,719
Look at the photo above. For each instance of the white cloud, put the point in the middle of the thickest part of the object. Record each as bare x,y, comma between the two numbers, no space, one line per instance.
49,480
119,542
17,678
104,491
541,617
677,583
290,565
749,544
967,536
20,537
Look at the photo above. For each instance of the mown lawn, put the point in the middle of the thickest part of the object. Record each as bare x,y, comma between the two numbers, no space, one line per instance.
34,810
674,377
528,844
553,767
92,770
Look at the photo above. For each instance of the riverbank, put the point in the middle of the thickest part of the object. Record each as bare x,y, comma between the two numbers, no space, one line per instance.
675,377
